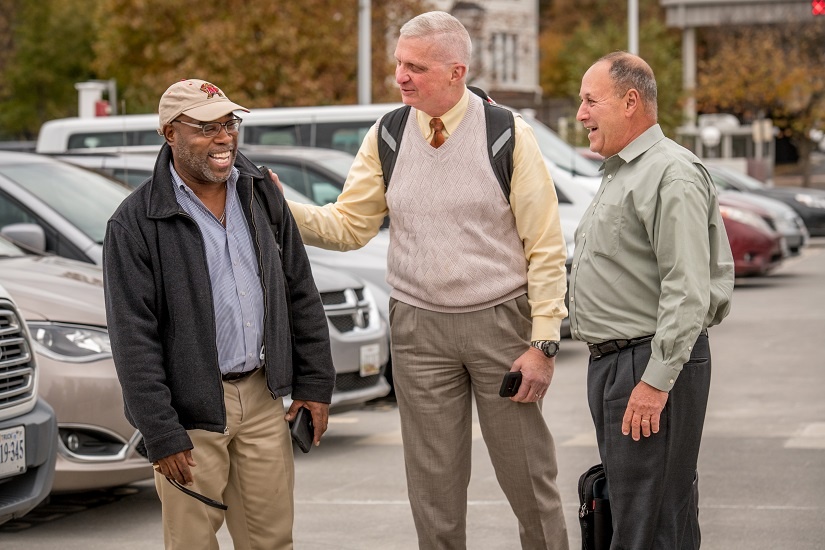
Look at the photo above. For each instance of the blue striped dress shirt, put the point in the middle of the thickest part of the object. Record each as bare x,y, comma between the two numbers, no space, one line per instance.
234,273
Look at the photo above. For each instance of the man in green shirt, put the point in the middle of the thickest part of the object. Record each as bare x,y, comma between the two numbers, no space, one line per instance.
652,270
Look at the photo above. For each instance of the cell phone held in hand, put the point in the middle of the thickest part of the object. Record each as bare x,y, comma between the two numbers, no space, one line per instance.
510,384
302,429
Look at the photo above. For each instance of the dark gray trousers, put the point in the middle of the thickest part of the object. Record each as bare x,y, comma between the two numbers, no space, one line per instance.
653,482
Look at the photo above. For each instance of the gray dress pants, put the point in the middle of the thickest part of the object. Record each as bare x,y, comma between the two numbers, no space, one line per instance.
442,363
653,482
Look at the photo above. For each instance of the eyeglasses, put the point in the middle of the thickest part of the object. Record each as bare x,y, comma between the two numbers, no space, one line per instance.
206,500
212,129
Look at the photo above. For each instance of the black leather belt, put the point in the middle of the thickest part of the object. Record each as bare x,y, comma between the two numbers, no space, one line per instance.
233,376
597,351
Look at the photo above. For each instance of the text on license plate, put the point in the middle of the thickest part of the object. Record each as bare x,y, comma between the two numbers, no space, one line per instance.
370,359
12,451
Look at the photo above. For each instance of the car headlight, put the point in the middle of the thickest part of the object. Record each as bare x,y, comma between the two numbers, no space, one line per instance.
71,343
809,200
745,217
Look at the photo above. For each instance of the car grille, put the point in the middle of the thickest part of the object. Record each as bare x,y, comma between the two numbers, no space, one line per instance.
352,381
16,362
347,310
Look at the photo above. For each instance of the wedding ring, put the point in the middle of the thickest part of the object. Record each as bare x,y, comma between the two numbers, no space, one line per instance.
644,421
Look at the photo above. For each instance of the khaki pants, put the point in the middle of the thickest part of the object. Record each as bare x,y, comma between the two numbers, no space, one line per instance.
250,469
441,362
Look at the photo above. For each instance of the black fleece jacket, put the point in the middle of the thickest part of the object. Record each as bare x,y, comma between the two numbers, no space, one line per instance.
161,318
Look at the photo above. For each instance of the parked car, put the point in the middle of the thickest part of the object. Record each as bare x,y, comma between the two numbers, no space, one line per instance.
28,429
808,203
131,168
778,215
56,207
61,301
757,248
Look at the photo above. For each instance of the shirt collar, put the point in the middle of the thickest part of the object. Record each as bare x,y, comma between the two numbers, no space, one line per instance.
178,182
645,141
451,118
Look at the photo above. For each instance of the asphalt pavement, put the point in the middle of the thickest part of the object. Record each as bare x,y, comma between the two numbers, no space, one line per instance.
762,464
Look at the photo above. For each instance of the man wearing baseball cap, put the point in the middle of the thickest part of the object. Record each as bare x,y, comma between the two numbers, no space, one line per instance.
203,339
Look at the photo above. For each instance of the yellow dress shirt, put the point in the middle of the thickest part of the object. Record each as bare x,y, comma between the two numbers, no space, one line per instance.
359,212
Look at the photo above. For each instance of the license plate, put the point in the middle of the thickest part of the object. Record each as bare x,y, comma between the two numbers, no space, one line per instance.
370,357
12,451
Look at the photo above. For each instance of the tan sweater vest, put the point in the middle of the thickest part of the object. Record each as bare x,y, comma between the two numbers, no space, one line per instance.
453,241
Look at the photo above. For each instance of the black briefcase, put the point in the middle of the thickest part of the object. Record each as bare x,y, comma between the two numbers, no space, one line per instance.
594,511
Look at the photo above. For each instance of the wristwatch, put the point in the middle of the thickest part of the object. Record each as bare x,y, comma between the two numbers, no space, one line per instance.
548,347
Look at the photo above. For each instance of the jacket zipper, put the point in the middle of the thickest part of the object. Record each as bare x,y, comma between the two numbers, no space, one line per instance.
259,255
217,362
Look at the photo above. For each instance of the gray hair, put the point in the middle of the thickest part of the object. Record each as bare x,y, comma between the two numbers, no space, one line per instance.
629,71
453,38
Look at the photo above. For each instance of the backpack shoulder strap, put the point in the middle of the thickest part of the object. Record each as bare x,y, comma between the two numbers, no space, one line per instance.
501,143
500,140
390,131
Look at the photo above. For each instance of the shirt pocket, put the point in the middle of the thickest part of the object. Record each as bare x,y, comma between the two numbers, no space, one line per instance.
606,230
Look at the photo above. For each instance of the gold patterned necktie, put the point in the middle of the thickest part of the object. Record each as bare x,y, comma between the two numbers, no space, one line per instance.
438,136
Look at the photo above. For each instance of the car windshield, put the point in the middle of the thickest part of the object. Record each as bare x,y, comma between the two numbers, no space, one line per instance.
561,153
741,181
84,198
295,196
8,250
340,164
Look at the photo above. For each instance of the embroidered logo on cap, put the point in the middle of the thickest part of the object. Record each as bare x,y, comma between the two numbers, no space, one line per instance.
211,90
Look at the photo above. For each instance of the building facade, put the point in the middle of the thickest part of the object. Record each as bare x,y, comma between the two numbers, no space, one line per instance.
505,36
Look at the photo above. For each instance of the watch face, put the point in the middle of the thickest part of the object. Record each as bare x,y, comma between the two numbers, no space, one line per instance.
548,347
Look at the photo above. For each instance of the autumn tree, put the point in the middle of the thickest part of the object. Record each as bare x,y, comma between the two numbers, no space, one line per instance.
575,33
776,71
46,50
265,53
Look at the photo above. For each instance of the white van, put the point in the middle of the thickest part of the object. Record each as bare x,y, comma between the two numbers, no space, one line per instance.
339,127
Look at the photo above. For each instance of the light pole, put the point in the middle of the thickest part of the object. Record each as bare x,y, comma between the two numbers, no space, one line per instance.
633,26
364,53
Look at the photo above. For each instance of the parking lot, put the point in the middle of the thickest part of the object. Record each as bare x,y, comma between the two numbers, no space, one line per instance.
762,465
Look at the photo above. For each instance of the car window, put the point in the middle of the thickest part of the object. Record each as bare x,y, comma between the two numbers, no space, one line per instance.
743,182
284,134
86,199
131,177
338,164
721,182
11,212
308,182
344,136
93,140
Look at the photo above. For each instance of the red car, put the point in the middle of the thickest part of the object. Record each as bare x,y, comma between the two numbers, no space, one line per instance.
757,248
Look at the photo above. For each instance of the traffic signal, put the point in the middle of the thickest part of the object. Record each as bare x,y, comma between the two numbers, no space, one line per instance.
817,7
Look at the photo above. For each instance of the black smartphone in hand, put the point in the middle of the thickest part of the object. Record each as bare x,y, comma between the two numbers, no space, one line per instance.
510,384
302,430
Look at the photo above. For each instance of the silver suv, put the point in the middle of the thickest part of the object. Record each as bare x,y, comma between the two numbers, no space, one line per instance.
28,431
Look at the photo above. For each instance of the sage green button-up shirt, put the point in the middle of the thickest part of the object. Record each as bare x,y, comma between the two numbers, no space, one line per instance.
652,255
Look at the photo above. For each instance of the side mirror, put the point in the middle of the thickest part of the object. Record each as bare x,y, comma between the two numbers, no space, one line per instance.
27,235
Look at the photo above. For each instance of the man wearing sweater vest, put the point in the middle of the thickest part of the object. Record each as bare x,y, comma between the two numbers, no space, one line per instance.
478,290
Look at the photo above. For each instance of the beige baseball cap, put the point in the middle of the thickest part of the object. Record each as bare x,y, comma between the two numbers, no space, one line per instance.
195,98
